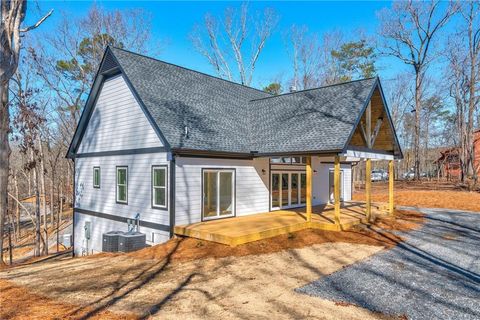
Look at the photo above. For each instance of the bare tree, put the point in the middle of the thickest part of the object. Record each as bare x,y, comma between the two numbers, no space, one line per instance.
68,59
456,73
408,30
329,68
470,14
236,42
462,53
12,17
304,51
400,97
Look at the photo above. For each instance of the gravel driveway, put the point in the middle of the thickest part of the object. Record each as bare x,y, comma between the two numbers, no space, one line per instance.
434,274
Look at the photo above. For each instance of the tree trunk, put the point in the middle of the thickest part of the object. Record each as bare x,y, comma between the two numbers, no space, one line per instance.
471,108
52,197
37,217
17,208
44,195
37,207
418,108
29,184
4,159
61,204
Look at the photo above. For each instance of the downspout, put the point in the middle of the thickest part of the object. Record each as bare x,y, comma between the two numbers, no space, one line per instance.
73,208
172,195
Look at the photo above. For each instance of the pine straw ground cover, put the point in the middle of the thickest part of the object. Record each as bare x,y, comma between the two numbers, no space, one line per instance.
198,279
426,195
17,302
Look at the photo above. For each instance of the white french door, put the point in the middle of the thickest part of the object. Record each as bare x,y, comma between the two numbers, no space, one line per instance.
218,193
288,189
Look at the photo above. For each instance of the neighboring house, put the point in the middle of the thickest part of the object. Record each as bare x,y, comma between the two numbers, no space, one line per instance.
449,161
178,146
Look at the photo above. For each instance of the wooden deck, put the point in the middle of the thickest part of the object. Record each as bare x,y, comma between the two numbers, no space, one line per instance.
240,230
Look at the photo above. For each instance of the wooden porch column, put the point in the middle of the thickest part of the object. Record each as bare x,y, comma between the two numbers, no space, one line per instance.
309,188
391,178
368,189
336,188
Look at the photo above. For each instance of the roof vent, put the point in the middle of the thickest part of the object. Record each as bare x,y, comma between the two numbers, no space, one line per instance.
293,88
108,62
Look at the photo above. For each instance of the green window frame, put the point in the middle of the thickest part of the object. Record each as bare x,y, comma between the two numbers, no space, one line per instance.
96,177
159,187
122,185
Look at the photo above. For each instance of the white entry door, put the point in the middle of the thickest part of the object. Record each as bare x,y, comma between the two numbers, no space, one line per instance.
288,189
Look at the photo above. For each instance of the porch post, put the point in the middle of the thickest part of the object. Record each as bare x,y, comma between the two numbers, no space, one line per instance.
368,189
309,188
336,188
391,178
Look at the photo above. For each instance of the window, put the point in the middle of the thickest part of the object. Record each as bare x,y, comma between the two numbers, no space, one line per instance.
159,186
218,193
122,185
96,177
275,160
289,160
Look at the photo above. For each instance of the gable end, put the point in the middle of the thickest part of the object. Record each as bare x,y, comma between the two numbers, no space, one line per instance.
385,126
109,67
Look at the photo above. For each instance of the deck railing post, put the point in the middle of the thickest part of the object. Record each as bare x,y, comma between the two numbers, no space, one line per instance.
368,189
336,188
309,188
391,179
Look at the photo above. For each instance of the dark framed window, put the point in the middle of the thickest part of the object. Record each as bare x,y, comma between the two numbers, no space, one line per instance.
122,185
96,177
159,187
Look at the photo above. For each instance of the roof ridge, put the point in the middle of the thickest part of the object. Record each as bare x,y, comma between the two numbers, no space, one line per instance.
187,69
316,88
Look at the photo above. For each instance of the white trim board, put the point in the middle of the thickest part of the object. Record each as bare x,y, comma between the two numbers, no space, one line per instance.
353,155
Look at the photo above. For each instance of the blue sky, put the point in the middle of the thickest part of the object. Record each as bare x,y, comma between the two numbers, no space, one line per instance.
173,21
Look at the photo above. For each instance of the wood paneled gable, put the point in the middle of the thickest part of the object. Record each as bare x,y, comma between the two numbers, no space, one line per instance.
375,130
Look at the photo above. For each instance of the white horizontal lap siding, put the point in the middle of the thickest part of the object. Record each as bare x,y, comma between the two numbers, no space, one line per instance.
318,183
251,186
347,182
321,182
103,199
99,226
117,121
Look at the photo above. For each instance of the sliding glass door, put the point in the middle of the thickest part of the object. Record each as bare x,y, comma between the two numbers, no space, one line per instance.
218,193
288,189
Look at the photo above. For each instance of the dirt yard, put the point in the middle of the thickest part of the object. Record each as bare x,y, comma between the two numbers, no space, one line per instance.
196,279
425,194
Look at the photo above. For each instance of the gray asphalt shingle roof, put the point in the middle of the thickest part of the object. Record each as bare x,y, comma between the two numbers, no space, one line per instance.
319,119
228,117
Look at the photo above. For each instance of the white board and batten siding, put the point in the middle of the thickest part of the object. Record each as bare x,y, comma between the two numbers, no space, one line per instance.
117,123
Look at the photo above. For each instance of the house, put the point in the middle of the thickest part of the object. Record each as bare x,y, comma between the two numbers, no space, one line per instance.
167,146
448,164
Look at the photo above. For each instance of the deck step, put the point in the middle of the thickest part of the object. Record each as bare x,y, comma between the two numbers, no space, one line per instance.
192,232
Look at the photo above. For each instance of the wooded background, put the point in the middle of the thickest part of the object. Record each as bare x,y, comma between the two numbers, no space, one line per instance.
45,79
